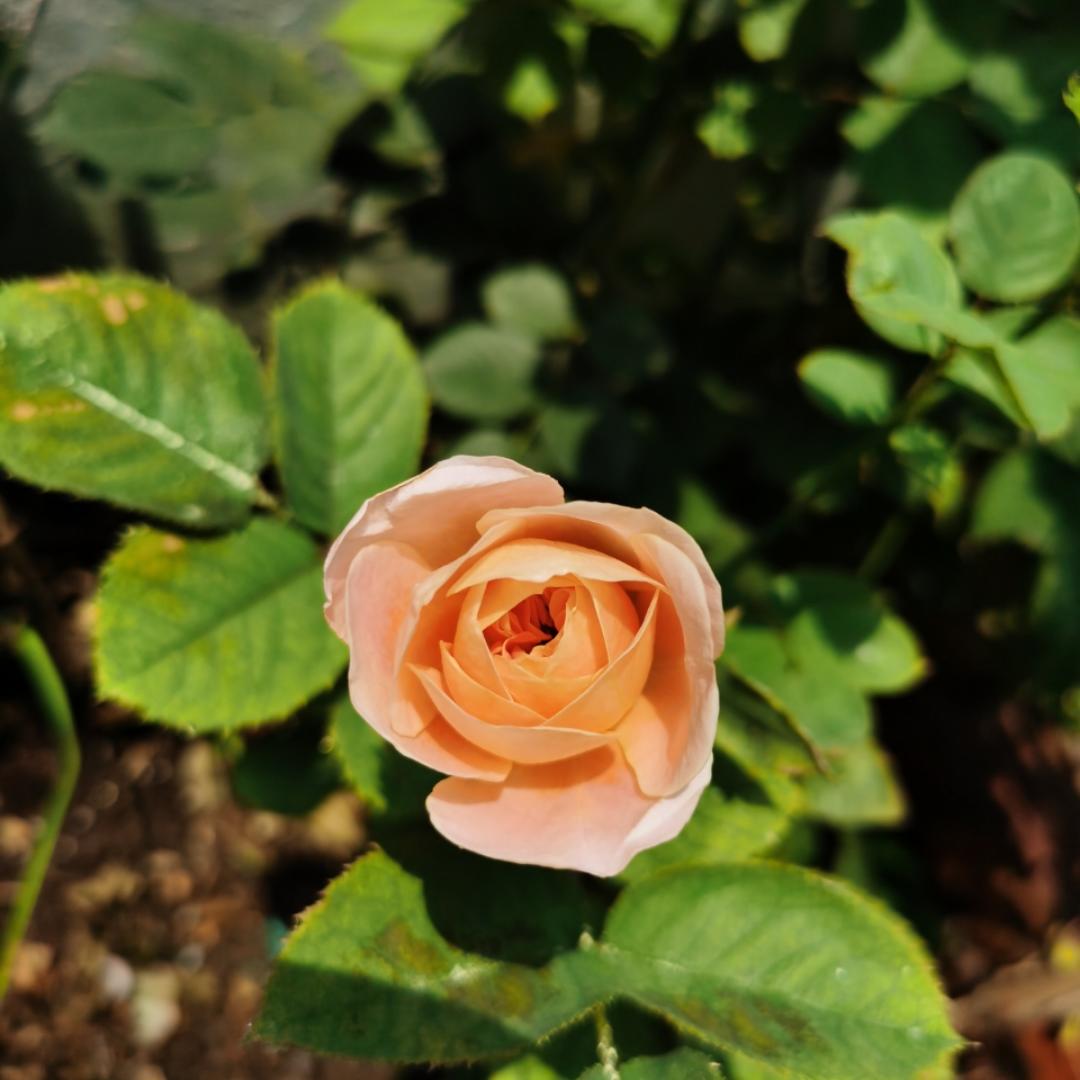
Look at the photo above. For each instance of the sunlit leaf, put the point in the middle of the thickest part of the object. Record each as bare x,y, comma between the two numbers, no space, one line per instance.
119,388
350,403
214,635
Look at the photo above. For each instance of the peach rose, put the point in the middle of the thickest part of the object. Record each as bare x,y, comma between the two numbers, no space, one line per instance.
554,659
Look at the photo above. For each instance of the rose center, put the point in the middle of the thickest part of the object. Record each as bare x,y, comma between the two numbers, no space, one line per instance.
533,622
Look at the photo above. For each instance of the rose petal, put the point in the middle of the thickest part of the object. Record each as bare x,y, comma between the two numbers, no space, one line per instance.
616,614
471,648
436,513
671,726
608,527
585,813
539,560
543,695
474,698
609,697
526,745
377,589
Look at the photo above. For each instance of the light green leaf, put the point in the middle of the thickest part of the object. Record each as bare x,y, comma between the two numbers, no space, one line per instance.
725,127
837,621
917,48
929,469
531,299
681,1064
852,386
1015,227
783,965
1071,95
389,784
889,258
349,400
723,829
529,1067
367,974
654,20
827,711
119,388
483,372
532,89
383,39
765,30
860,789
214,635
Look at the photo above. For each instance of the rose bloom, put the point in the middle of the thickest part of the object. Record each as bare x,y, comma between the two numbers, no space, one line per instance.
553,659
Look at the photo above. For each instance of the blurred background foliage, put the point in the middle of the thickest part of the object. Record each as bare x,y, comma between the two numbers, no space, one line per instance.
799,274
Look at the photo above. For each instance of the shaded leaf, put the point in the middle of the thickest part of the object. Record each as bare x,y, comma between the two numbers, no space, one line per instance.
482,372
531,299
654,20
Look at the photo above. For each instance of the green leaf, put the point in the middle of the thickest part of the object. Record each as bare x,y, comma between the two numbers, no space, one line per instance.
860,789
917,48
723,829
889,257
529,1067
852,386
837,622
531,299
928,467
725,127
826,711
214,635
765,30
1071,95
350,403
783,965
654,20
775,962
1015,227
482,372
389,784
119,388
681,1064
134,128
367,974
893,138
382,40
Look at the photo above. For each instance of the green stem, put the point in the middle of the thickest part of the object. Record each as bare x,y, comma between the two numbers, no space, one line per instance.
53,702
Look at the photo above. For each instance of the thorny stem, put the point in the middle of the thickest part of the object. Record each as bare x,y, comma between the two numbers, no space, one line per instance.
52,699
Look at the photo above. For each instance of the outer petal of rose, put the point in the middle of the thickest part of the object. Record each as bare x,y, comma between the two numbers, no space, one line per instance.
586,813
612,693
616,524
670,729
539,560
436,513
378,586
525,745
